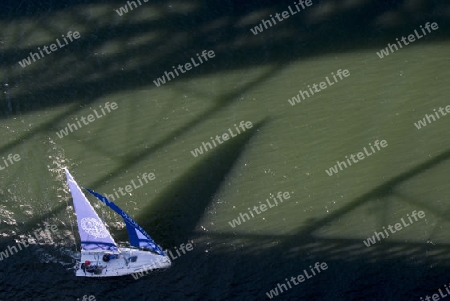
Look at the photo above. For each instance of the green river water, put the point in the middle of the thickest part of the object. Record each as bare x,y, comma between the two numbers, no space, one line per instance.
194,199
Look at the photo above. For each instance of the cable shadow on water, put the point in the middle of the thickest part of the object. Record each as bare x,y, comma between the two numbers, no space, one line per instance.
136,156
178,210
275,256
98,76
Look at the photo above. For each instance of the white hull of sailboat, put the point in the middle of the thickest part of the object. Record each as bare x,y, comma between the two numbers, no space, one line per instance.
100,255
127,262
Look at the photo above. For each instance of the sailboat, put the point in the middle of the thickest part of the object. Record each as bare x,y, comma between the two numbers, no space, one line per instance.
100,254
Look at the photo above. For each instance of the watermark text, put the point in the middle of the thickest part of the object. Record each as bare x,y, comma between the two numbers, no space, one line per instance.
323,85
280,288
371,240
281,195
35,56
86,120
281,17
361,156
225,137
166,76
146,177
11,159
411,38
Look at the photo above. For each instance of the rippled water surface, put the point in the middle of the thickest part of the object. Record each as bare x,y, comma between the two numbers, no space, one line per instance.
271,146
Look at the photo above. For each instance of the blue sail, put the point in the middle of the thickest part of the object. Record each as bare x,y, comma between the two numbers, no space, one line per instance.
93,233
138,237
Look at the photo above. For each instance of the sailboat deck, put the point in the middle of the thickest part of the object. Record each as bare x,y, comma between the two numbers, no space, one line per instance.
105,258
128,261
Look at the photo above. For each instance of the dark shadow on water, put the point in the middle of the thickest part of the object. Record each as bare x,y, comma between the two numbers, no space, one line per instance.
306,34
227,266
222,266
179,210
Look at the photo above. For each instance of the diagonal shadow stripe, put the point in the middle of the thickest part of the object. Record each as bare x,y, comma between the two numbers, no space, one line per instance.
181,206
382,190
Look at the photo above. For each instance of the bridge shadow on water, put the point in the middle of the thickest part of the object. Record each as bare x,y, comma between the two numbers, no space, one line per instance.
243,266
230,266
222,266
